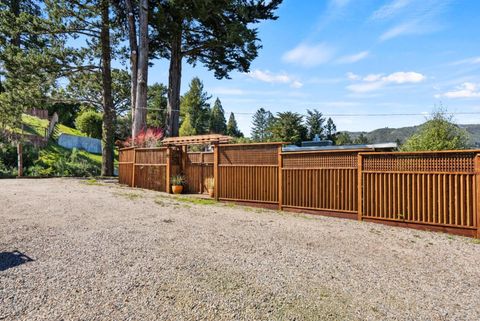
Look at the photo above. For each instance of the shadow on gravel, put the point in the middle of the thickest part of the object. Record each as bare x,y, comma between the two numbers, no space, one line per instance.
12,259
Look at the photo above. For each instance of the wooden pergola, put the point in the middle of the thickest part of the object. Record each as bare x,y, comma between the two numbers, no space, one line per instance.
211,139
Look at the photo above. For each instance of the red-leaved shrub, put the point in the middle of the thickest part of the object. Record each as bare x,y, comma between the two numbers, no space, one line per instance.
150,137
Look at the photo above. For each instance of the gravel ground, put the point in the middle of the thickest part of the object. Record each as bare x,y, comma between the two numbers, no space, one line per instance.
81,250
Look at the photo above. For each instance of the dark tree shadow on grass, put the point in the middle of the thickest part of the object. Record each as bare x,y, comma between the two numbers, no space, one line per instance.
12,259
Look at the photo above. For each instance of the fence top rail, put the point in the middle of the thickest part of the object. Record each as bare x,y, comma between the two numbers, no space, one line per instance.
125,148
460,151
151,148
254,144
366,151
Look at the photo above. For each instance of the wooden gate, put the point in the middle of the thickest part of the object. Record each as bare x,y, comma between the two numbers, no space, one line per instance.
198,169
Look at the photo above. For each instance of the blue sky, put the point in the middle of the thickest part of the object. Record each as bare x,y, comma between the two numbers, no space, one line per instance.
357,57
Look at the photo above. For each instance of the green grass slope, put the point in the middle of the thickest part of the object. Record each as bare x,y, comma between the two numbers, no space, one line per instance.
53,153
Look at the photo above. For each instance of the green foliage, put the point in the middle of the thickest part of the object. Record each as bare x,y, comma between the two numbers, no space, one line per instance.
57,161
67,112
438,133
288,127
195,109
232,127
90,123
330,130
361,140
156,105
187,129
218,34
86,88
261,123
178,180
218,123
343,138
314,123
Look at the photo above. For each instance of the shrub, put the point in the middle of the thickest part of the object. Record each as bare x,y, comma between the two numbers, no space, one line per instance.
438,133
90,123
152,137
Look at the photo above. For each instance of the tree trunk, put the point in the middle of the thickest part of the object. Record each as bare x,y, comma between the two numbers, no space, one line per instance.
108,134
140,118
15,10
132,35
174,82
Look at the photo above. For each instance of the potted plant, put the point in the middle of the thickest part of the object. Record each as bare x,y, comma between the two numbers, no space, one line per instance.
210,182
177,181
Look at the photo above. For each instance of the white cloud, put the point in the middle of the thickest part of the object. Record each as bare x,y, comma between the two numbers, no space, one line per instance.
309,55
411,17
404,77
272,78
468,61
296,84
465,90
407,28
352,76
390,9
353,58
373,82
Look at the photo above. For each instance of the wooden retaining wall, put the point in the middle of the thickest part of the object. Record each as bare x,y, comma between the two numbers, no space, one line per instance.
427,190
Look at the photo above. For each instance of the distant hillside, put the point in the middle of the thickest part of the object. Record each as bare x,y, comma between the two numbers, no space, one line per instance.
383,135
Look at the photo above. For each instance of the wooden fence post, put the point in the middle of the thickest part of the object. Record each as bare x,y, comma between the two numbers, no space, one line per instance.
359,186
477,196
133,165
20,159
280,178
168,171
215,170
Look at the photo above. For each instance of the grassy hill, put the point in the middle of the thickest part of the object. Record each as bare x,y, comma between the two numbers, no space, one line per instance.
54,156
386,134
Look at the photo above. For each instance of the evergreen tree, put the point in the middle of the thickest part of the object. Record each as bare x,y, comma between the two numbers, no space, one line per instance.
218,34
361,140
343,138
330,130
289,127
195,106
232,127
261,123
314,124
157,105
218,123
25,59
187,128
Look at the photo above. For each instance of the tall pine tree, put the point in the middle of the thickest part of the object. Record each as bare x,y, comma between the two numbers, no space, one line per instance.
314,124
330,130
261,123
195,109
218,124
232,127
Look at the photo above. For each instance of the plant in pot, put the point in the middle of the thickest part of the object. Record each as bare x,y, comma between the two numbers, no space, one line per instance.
177,181
210,182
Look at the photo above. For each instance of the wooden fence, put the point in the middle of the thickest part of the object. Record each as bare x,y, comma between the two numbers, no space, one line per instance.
198,168
428,190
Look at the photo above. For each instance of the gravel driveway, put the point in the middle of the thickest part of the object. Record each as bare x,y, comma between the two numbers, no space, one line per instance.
82,250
